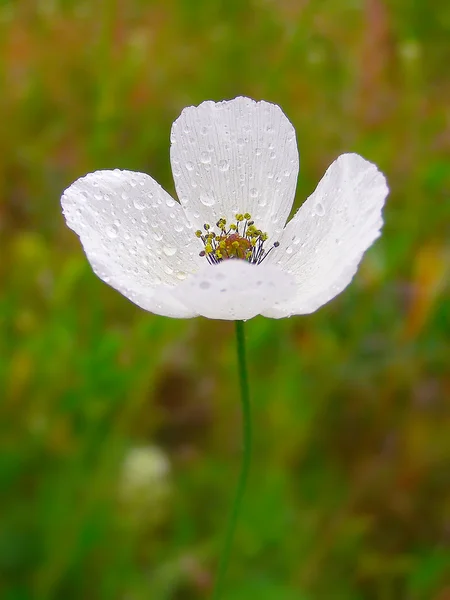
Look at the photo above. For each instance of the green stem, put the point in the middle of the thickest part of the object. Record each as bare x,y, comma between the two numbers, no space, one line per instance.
247,439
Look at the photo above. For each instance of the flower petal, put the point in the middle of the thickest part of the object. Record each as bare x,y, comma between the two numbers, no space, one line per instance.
235,156
235,289
325,241
134,234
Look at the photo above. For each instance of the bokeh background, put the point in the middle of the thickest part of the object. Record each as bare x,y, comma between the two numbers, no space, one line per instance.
120,441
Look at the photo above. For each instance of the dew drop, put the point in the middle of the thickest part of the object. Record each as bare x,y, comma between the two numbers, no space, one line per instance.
112,231
205,158
224,165
207,199
289,250
319,209
178,227
189,166
262,202
168,270
124,196
139,203
273,155
169,250
253,193
157,236
181,275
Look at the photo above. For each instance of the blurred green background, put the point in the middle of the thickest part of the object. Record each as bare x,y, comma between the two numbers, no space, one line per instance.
120,441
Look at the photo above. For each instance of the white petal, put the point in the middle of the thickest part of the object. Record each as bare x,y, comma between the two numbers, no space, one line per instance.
233,157
134,234
325,241
235,289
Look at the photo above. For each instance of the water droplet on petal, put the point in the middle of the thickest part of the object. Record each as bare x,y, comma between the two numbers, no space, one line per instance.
319,209
168,270
169,250
253,193
112,231
273,155
207,199
181,275
205,158
139,203
289,250
224,165
189,166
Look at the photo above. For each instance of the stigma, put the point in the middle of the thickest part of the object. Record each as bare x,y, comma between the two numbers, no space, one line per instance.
241,240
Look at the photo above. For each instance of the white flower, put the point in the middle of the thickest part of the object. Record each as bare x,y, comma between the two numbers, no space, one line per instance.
234,163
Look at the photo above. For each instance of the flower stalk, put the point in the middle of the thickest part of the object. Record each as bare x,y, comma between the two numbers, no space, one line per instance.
246,456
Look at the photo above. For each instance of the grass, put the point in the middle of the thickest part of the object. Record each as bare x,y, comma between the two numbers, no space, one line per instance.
349,490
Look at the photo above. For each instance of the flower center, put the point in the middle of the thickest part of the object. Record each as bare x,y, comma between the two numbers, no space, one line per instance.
238,240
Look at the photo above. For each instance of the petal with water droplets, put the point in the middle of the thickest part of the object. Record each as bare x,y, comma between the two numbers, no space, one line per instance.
235,289
325,241
135,235
235,156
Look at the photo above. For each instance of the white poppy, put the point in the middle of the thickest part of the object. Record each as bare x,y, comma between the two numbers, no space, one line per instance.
225,251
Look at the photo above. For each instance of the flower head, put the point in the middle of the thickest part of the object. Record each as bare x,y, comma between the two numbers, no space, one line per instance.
225,251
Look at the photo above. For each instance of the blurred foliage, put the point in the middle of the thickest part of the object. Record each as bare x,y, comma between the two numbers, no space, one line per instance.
349,495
